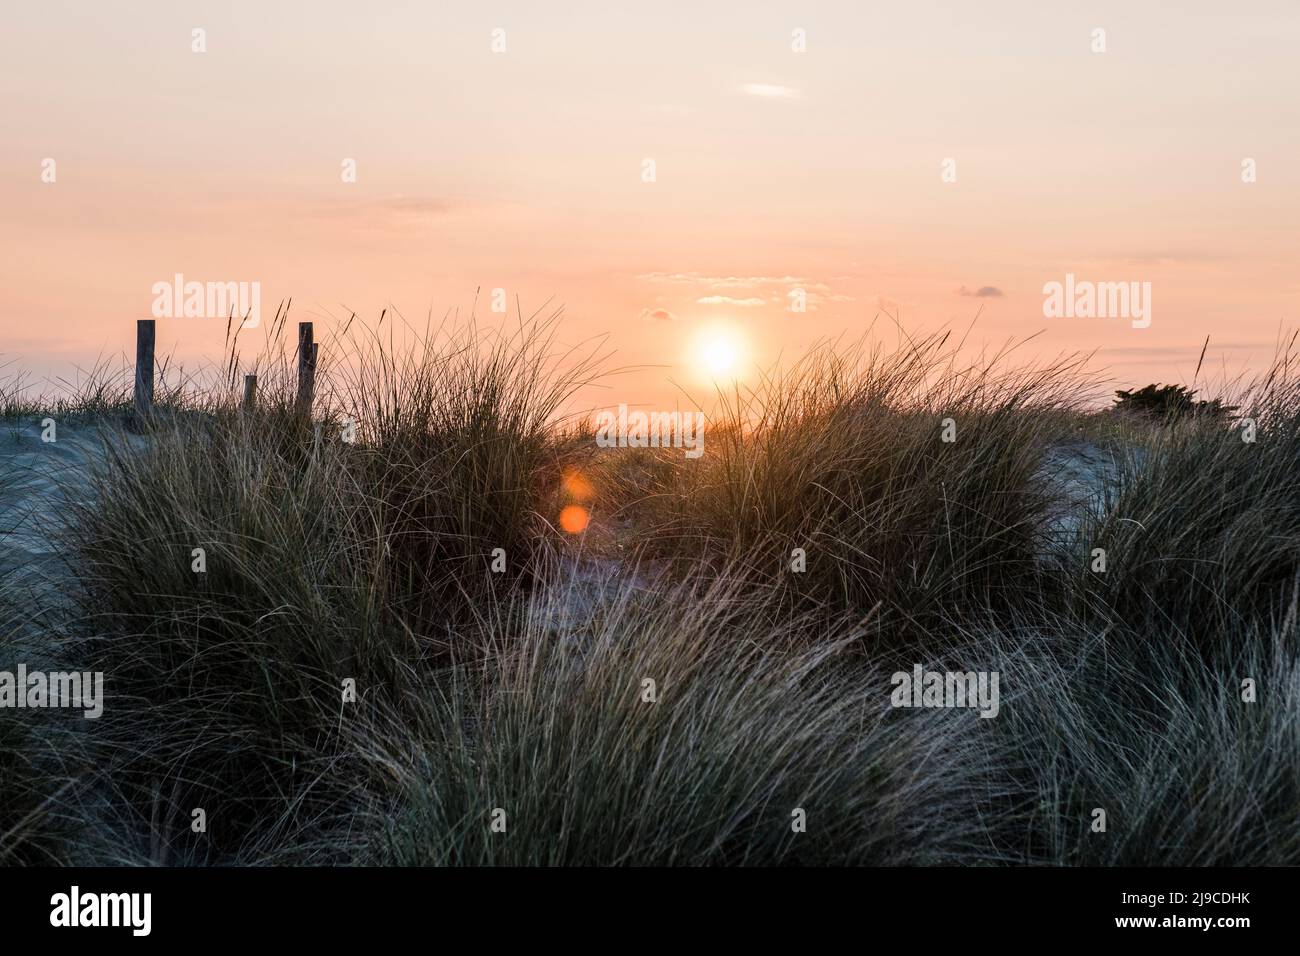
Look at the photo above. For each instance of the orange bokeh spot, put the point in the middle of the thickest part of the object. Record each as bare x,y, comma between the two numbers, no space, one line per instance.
574,518
576,486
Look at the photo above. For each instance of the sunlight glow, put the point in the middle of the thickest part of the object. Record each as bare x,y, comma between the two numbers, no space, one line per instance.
719,353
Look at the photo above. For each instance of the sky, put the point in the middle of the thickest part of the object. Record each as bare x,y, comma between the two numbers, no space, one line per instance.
938,163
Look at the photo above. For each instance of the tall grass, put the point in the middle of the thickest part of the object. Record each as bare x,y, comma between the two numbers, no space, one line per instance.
697,699
1201,527
242,567
458,455
907,478
680,727
1187,768
41,758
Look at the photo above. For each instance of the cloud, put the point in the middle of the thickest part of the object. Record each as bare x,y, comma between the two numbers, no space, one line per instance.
769,91
983,292
750,291
658,315
728,300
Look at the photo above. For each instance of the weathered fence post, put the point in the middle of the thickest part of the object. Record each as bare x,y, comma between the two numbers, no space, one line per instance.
306,367
144,342
250,392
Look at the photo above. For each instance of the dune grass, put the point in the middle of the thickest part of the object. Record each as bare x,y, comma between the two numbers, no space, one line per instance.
902,481
1133,724
1201,530
357,636
682,727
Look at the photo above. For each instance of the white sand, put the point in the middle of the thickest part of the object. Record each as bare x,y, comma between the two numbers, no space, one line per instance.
37,481
1078,472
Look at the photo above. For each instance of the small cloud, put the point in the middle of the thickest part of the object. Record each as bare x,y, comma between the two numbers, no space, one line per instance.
769,91
728,300
658,315
983,292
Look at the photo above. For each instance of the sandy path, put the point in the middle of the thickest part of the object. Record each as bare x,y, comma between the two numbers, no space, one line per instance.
37,480
1078,471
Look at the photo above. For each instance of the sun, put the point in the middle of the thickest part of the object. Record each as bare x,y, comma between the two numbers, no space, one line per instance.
718,353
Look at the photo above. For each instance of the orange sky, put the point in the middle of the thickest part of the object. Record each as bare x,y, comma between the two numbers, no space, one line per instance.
775,170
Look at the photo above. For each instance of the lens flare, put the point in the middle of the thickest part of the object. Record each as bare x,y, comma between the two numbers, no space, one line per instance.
573,519
576,486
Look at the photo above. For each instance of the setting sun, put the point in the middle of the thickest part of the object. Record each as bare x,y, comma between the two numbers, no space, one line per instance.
719,353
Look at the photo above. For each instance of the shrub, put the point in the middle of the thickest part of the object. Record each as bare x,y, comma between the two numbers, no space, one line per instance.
1166,403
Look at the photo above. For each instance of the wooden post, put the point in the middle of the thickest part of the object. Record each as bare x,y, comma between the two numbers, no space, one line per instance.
306,367
144,343
250,392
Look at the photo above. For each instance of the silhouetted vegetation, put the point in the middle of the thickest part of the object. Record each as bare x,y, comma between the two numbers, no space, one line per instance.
1166,403
862,513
